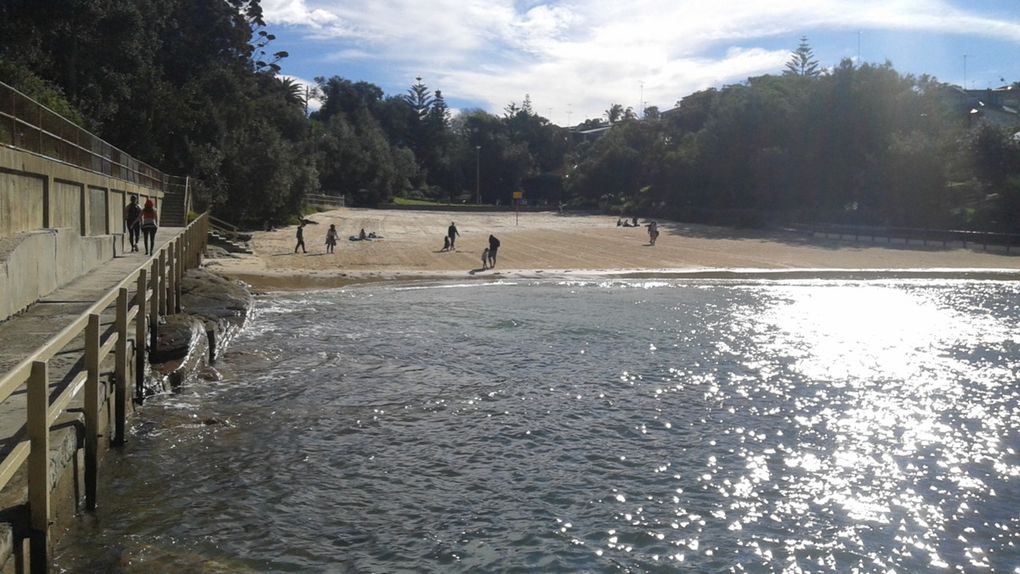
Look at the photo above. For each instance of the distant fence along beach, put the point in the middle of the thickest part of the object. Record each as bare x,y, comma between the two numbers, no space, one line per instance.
942,237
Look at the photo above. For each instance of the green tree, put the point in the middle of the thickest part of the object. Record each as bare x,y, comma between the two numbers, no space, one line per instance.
802,61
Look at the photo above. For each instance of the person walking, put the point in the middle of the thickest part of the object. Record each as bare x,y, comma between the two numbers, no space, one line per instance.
493,248
653,232
149,223
331,238
453,234
133,222
300,237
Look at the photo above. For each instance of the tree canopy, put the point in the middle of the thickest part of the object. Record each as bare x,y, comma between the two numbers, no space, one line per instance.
195,87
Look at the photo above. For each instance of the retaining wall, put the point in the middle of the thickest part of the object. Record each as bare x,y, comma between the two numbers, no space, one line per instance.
57,221
37,193
35,263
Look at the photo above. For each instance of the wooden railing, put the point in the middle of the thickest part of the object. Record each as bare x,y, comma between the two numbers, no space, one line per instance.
157,284
325,201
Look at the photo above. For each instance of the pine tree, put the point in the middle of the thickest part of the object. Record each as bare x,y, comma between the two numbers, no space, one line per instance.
802,61
420,98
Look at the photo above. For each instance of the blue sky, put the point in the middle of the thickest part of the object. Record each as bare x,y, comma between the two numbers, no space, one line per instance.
576,58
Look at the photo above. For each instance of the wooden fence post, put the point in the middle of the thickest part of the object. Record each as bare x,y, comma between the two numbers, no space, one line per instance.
154,306
140,316
39,466
91,411
120,395
171,278
161,271
180,266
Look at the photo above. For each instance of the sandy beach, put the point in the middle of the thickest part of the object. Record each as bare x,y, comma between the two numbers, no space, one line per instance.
551,245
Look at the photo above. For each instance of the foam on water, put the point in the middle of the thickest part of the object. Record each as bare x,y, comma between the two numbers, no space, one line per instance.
646,425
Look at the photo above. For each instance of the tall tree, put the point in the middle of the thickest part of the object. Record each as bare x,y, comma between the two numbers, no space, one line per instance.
802,61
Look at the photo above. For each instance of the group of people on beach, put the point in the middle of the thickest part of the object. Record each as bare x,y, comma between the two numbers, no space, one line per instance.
653,228
142,221
332,236
488,254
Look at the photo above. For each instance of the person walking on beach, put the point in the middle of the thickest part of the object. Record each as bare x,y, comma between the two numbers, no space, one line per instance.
331,238
653,232
133,221
453,234
300,237
150,222
485,258
493,248
446,243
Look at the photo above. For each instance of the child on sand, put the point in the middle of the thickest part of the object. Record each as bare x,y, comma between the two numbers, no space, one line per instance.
485,258
331,238
446,243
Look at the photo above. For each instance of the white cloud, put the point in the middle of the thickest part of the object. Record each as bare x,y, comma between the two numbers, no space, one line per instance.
583,55
296,12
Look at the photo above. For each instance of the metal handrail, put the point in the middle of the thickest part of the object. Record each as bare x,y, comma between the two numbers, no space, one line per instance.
31,126
157,282
217,222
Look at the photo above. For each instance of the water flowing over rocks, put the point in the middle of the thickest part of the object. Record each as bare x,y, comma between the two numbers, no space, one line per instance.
214,309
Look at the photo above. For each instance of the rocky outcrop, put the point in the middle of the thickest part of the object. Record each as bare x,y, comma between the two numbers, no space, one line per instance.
214,310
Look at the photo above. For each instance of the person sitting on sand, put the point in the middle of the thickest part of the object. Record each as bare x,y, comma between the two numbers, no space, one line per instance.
619,222
362,236
485,258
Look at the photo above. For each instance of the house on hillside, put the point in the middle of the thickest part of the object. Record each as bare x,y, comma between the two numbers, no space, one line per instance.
999,106
590,134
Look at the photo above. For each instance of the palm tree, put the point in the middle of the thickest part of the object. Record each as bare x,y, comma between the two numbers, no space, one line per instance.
293,92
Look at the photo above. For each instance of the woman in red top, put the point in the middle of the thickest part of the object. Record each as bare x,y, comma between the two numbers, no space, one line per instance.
150,223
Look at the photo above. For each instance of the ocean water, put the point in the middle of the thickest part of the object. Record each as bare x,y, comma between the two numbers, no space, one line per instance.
590,426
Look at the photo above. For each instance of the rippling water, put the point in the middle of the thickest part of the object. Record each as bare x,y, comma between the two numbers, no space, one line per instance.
605,426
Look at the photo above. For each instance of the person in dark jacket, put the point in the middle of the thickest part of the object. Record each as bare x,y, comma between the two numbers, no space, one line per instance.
300,238
133,222
453,234
493,248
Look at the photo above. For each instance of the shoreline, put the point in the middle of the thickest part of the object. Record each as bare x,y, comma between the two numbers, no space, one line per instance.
266,281
546,245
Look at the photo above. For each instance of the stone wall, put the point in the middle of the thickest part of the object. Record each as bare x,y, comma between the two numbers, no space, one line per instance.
35,263
21,202
57,222
39,193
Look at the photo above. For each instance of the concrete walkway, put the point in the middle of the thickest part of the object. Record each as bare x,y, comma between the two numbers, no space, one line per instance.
23,334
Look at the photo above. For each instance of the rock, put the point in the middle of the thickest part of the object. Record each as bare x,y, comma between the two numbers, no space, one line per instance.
214,310
176,337
223,304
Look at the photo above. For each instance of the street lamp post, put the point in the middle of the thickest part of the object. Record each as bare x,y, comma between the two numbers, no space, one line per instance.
478,174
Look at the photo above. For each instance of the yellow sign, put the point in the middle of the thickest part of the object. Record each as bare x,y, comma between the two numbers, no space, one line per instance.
518,194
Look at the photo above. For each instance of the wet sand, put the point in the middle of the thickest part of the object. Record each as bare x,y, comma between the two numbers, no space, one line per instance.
551,245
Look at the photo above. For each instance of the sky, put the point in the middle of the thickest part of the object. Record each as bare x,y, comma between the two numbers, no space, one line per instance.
574,59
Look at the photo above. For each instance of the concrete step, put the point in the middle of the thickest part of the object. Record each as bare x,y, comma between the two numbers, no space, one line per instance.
229,245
